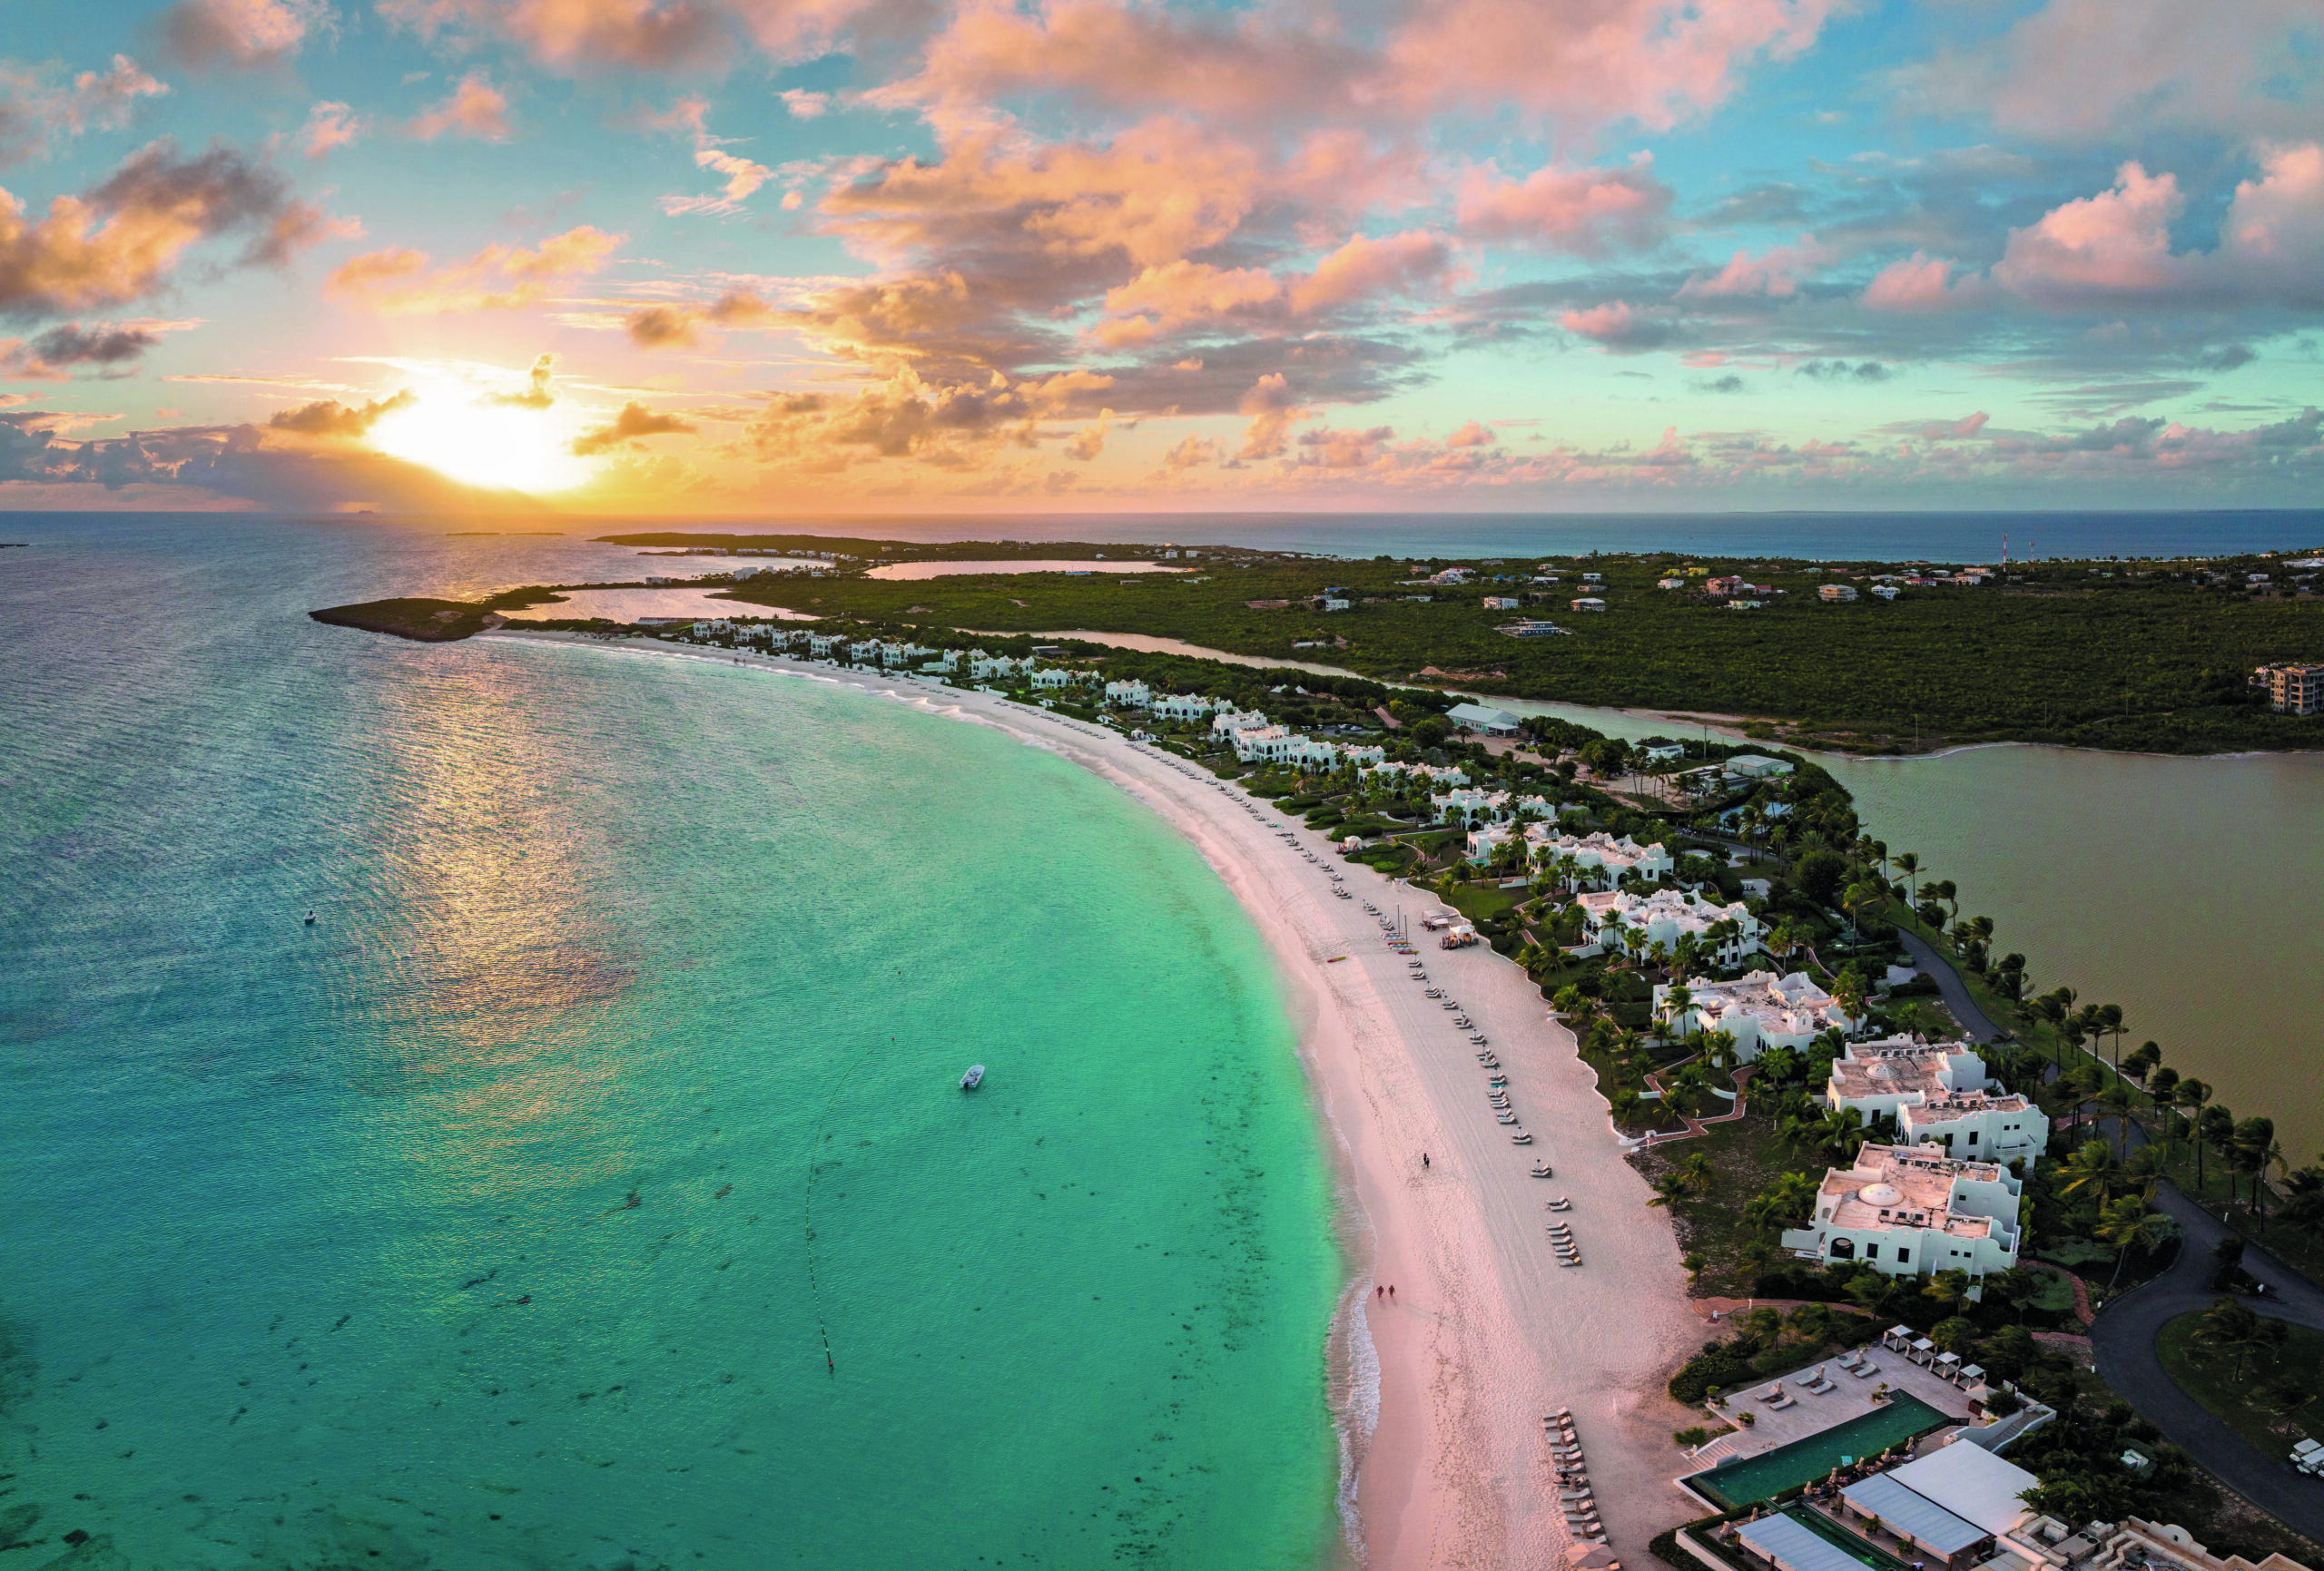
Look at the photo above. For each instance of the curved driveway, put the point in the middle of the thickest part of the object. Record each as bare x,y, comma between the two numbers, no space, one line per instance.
1949,986
2123,1342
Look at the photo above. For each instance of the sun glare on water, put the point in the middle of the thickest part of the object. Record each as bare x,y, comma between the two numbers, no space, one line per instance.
506,446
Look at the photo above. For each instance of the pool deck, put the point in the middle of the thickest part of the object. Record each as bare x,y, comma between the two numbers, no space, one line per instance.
1770,1474
1810,1414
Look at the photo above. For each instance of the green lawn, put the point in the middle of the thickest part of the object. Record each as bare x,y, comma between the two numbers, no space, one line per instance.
2209,1375
1482,902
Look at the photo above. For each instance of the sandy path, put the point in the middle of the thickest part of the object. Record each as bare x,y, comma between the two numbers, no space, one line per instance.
1486,1330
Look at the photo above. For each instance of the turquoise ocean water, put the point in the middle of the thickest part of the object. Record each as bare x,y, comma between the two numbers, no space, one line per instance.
502,1217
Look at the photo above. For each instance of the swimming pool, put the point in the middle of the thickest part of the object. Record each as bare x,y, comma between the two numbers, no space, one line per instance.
1764,1477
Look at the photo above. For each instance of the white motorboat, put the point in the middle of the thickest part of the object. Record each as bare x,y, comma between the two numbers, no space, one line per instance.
973,1078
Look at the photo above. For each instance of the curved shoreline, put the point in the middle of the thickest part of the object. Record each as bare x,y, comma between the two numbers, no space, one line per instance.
1485,1334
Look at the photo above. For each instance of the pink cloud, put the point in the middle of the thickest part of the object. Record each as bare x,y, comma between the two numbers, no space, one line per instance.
2115,243
1161,300
1272,413
242,34
1923,283
397,281
1615,326
2278,220
34,115
578,35
1472,434
329,127
1776,274
1365,267
1589,63
1588,212
476,109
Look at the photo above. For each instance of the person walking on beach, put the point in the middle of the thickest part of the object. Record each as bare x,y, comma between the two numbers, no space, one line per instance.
1423,1159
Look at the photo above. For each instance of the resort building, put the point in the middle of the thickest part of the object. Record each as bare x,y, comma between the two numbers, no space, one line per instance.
1954,1504
983,667
1614,919
1054,677
1434,773
1913,1211
1128,694
821,644
1477,717
1757,766
947,660
1274,744
1940,1094
1588,603
1661,749
1364,757
1760,1009
1183,706
2292,689
1599,858
1466,805
1836,594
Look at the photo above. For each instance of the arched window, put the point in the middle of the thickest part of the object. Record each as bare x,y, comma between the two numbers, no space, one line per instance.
1844,1249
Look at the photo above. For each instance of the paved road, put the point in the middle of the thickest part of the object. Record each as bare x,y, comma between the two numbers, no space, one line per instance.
1949,985
2124,1343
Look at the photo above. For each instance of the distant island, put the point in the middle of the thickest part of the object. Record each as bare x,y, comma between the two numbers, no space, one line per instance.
1858,657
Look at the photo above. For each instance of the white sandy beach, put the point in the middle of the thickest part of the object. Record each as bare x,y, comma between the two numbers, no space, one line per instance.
1487,1331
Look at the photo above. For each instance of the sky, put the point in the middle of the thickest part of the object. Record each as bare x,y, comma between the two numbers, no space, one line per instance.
816,257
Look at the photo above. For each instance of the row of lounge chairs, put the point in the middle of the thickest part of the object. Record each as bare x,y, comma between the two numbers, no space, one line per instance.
1574,1497
1562,1240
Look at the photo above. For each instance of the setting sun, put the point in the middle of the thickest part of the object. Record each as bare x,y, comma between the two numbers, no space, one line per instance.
506,446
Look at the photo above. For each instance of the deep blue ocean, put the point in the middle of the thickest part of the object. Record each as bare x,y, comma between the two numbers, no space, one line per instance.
508,1215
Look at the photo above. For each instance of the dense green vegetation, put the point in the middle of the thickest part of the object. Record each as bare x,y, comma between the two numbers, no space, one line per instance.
428,620
2150,656
2259,1375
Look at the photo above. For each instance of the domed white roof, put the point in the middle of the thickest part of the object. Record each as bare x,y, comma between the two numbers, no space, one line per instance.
1880,1194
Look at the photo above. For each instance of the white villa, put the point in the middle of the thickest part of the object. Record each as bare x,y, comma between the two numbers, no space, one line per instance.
1274,744
1132,694
1479,717
1439,774
1913,1211
1609,916
1757,766
821,644
1603,858
947,660
1230,719
982,667
1364,757
1055,676
1760,1009
1183,706
1940,1094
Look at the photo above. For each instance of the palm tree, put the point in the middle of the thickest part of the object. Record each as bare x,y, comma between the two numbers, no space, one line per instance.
2126,1222
2119,1100
1693,1171
2215,1125
1909,864
2231,1323
1839,1130
1949,1288
1951,898
2192,1093
2091,1166
2110,1021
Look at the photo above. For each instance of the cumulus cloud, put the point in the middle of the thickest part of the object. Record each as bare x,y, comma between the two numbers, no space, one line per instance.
1365,267
475,109
623,430
586,36
805,105
111,350
330,418
1775,274
36,112
1472,434
1618,327
1586,212
2085,69
399,282
119,241
1091,440
330,126
2116,242
538,393
1841,370
1923,283
239,34
1272,413
680,326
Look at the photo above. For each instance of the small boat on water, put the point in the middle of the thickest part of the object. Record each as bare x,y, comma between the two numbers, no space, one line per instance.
973,1078
310,918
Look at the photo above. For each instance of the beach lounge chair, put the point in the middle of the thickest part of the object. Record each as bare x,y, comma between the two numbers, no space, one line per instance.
2307,1448
1865,1370
1575,1261
1769,1393
1783,1401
